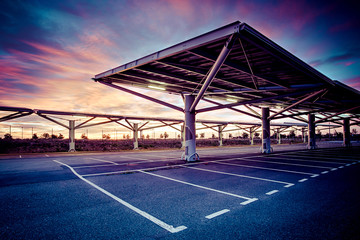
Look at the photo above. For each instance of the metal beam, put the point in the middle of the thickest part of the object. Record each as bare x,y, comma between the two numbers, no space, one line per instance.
14,115
54,121
215,68
333,115
234,109
81,124
142,96
123,125
251,101
297,103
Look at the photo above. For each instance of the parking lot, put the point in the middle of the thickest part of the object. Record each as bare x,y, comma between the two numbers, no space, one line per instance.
232,193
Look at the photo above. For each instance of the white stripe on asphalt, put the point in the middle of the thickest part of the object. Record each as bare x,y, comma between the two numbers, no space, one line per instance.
202,187
272,192
271,169
153,219
244,176
100,160
213,215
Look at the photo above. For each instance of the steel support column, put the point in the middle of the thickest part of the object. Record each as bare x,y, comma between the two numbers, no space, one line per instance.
346,132
182,134
303,135
279,136
252,132
266,146
220,136
311,132
136,136
71,135
190,154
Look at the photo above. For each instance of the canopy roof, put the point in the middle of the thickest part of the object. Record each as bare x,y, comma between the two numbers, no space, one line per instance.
257,71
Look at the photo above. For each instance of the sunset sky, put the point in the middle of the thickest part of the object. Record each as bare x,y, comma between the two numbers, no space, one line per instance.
50,50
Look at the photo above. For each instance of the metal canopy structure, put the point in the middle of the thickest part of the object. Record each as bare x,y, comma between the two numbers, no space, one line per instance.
129,122
238,64
255,71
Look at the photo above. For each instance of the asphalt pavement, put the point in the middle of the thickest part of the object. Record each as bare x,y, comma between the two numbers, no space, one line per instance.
231,193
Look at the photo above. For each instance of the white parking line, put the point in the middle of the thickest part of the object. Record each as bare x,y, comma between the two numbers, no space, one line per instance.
303,180
301,159
271,169
316,157
272,192
119,164
324,172
281,163
244,176
202,187
100,160
213,215
153,219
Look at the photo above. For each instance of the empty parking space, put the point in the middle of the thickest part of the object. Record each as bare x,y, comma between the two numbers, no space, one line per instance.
158,186
173,196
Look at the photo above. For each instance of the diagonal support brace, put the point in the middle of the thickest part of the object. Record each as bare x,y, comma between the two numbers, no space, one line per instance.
215,68
142,96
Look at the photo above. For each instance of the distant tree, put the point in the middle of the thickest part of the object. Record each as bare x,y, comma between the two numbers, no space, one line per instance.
179,136
354,131
148,136
292,134
124,136
230,135
196,135
34,136
127,136
161,136
256,134
166,135
45,135
8,136
83,136
245,135
106,136
60,136
202,135
213,135
53,136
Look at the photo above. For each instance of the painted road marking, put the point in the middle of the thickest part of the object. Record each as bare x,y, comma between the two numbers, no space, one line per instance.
282,163
272,192
316,157
213,215
314,176
119,164
244,176
271,169
324,172
341,167
301,159
153,219
249,201
333,169
100,160
20,156
303,180
202,187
